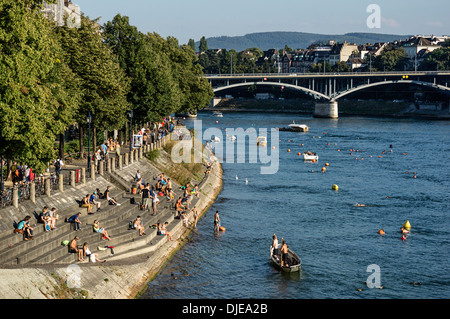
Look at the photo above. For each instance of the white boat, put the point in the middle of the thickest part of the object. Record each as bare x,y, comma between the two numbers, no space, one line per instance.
261,141
215,139
298,127
217,114
310,157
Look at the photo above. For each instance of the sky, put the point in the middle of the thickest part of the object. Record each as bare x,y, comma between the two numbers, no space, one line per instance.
186,19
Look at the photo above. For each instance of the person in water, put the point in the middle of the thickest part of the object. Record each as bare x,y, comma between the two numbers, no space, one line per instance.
216,221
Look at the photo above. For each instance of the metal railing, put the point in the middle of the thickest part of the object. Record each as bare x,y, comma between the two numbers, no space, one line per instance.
309,74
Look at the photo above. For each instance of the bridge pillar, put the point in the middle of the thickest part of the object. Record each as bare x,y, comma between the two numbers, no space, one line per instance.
328,109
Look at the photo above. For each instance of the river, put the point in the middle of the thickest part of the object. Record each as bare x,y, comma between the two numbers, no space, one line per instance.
398,168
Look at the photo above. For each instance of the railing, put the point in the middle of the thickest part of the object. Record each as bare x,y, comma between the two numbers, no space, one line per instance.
308,74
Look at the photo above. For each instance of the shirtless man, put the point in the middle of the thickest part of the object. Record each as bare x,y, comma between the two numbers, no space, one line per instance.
73,248
216,221
169,190
284,253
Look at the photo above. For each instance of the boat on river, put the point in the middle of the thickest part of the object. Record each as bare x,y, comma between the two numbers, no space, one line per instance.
298,127
293,261
310,156
261,141
217,114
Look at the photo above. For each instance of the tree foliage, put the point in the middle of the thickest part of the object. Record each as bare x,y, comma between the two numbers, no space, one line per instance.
35,104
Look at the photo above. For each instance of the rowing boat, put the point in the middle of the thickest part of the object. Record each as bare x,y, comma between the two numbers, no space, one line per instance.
293,261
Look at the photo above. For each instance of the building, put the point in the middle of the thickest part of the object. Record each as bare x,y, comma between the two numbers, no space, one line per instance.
415,44
341,52
62,9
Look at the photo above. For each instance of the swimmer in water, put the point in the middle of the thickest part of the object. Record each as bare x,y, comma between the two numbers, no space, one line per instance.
404,231
359,205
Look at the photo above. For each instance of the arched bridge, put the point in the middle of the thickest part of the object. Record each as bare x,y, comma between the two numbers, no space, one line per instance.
328,88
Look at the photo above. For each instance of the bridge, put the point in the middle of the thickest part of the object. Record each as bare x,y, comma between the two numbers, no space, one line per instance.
328,88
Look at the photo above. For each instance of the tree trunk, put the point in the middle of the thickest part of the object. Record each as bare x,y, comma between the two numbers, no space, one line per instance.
94,137
61,145
80,131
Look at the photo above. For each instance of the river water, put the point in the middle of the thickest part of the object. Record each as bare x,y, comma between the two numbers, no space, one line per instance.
336,240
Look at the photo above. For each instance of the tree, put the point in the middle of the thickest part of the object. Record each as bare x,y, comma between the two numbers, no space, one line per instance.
103,83
191,43
203,47
35,105
341,66
391,59
439,59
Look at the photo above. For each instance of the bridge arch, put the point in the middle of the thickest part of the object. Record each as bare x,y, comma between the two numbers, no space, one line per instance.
365,86
295,87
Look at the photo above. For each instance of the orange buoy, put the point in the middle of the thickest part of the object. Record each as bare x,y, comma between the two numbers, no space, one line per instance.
288,150
221,228
381,232
298,153
326,164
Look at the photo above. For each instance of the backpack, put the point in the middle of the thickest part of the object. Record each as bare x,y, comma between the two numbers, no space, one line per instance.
57,164
132,200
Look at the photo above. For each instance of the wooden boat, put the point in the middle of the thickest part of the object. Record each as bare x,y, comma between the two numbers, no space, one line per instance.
294,263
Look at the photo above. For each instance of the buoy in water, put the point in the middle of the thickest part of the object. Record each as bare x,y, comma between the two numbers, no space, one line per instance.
289,150
335,187
323,169
221,228
326,164
381,232
407,225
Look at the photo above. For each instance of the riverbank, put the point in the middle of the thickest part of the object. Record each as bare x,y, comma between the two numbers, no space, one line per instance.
120,278
392,109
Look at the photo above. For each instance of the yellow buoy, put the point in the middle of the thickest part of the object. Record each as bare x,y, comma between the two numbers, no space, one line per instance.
407,225
326,164
335,187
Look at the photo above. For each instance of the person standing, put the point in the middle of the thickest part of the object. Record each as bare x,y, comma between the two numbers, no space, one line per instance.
284,253
194,210
58,165
275,248
216,221
145,197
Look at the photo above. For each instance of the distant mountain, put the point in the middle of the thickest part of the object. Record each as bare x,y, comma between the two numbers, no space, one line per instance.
295,40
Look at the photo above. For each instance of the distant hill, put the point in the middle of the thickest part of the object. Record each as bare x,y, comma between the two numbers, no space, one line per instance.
295,40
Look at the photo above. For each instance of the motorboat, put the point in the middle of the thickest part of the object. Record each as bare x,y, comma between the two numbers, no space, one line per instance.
298,127
310,156
217,114
261,141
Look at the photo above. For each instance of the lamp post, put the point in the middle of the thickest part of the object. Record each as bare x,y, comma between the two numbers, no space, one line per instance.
2,184
89,143
131,131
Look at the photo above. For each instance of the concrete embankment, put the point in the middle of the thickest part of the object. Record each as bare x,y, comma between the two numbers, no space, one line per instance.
121,278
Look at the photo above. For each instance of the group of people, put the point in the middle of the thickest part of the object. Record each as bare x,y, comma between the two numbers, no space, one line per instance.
83,251
20,173
282,250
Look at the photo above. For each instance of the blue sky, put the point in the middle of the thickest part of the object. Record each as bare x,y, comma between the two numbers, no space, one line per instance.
185,19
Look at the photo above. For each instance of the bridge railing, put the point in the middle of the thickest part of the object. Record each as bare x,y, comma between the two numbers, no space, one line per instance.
309,74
